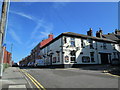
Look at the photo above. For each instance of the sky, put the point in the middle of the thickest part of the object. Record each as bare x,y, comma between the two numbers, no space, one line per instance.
31,22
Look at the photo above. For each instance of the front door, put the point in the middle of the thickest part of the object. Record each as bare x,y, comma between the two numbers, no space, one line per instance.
104,58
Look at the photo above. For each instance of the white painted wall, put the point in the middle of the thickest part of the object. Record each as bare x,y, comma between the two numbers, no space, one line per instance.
52,48
56,46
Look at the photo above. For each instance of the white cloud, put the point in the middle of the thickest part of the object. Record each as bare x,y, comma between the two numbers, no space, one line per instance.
36,29
47,30
32,45
41,30
36,20
15,36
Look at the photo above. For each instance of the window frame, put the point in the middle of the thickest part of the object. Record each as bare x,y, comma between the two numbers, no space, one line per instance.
72,42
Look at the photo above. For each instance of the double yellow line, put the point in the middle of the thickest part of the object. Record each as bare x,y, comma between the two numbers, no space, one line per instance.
34,81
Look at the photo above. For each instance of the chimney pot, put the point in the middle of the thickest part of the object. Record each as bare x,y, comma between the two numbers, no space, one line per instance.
89,33
117,31
99,33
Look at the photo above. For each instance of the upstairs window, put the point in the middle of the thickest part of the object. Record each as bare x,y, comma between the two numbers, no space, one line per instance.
72,42
65,40
81,43
113,46
104,46
91,44
48,48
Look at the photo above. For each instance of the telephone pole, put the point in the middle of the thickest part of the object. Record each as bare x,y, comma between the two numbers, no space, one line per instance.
2,32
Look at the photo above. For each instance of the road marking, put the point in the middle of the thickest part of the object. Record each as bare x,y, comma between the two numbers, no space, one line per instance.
17,86
112,75
31,79
28,81
11,87
37,84
33,82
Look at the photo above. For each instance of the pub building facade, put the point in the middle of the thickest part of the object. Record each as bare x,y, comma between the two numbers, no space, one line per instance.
71,50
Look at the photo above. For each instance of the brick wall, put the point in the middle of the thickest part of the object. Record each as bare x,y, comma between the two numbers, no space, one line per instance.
7,56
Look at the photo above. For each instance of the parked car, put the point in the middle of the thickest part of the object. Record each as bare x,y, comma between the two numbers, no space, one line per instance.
39,62
30,64
15,65
115,61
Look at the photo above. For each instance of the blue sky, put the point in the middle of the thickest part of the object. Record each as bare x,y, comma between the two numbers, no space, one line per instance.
29,23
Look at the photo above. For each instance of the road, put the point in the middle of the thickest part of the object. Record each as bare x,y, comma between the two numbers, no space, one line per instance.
72,78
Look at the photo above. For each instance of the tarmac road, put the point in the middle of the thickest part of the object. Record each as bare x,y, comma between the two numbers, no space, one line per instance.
72,78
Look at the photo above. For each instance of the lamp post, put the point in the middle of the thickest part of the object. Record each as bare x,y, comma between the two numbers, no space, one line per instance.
3,21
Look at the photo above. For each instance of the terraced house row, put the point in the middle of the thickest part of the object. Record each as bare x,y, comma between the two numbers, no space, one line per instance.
71,50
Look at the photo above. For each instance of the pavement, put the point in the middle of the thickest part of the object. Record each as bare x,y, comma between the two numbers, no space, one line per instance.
13,79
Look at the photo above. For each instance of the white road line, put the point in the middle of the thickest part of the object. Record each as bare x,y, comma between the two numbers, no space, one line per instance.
17,87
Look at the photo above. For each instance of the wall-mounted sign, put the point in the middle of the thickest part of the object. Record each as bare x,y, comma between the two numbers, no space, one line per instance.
66,59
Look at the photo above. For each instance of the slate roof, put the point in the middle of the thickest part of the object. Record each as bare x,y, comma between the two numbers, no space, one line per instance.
89,37
80,36
112,36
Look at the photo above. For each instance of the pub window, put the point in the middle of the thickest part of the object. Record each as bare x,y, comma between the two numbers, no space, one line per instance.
72,42
113,46
104,46
48,48
92,56
65,40
54,59
85,59
73,56
114,53
58,58
91,44
81,43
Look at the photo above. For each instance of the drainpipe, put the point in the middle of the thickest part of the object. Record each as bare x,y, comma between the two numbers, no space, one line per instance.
97,53
62,49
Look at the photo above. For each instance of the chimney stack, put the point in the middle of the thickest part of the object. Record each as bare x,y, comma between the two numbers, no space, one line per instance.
117,31
99,33
50,36
89,33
